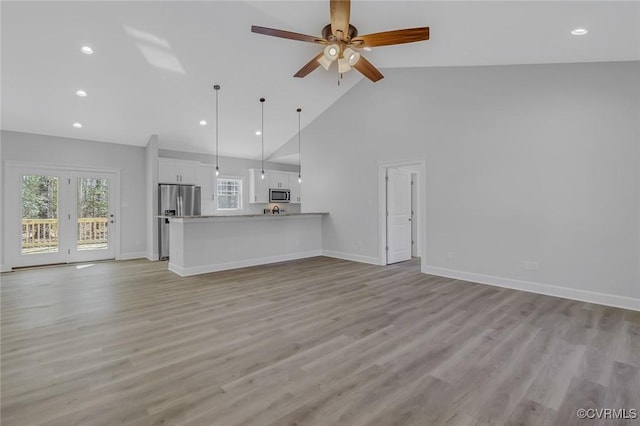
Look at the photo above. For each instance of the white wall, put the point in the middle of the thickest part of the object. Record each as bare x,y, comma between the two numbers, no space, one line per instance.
151,164
3,266
535,163
130,160
232,167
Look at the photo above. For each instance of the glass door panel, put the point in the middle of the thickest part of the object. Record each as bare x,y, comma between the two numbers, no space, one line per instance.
93,214
94,217
35,209
40,214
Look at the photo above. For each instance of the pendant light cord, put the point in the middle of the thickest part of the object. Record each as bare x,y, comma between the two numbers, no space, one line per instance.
262,131
299,152
217,88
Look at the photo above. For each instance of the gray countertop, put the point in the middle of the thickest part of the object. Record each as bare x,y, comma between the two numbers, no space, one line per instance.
241,215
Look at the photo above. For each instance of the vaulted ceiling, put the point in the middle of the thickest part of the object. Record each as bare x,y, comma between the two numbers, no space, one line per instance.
154,63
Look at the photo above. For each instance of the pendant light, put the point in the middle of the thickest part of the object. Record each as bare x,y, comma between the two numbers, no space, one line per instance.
262,135
217,89
299,158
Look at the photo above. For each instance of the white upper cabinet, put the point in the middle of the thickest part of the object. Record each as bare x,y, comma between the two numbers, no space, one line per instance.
177,171
258,187
206,179
278,180
296,197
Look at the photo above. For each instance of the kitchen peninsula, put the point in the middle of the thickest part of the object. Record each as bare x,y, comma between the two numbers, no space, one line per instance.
201,244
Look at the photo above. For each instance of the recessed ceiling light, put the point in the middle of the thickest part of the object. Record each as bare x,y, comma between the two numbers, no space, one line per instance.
368,49
81,93
87,50
77,125
258,132
579,31
203,122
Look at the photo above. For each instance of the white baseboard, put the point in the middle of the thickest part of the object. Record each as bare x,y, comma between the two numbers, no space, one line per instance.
152,257
5,268
532,287
132,255
196,270
353,257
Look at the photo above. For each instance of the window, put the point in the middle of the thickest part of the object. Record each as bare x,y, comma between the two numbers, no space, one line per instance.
229,194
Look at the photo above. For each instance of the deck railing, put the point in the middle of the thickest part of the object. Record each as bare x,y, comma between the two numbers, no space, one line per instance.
44,232
92,230
39,233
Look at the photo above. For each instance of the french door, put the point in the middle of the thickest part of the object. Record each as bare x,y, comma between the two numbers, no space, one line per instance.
63,216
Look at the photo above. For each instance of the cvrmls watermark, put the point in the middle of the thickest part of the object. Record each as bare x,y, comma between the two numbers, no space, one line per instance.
607,413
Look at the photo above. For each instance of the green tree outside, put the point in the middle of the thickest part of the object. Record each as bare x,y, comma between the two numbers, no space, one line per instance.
39,197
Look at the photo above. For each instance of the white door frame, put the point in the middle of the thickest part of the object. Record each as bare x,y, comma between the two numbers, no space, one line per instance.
13,210
420,164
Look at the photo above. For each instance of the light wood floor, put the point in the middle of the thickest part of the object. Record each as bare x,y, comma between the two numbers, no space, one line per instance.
318,341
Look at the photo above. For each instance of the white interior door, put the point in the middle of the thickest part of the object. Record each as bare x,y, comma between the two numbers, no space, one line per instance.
398,215
60,216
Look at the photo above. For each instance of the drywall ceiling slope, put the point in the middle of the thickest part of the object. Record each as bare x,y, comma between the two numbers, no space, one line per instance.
155,62
152,72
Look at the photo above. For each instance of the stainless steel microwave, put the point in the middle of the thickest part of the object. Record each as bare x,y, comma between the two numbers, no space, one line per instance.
279,195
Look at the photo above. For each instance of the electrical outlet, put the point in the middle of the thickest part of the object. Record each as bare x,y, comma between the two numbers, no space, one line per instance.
534,265
526,265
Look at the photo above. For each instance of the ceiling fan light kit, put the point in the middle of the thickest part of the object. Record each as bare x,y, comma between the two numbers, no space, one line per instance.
341,41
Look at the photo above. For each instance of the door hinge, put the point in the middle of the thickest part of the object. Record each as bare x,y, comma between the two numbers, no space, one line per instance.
387,248
69,216
386,178
69,251
69,180
411,182
387,214
411,242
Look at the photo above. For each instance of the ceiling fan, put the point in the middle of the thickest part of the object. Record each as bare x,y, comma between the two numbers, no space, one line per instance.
341,42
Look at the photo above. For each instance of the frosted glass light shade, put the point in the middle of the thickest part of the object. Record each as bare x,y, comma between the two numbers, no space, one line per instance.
343,65
351,56
324,62
330,54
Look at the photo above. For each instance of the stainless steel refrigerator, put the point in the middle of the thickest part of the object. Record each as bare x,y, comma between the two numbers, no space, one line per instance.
174,200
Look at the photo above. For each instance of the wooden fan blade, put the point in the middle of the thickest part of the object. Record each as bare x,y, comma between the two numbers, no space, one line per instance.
388,38
287,34
368,70
309,66
340,11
